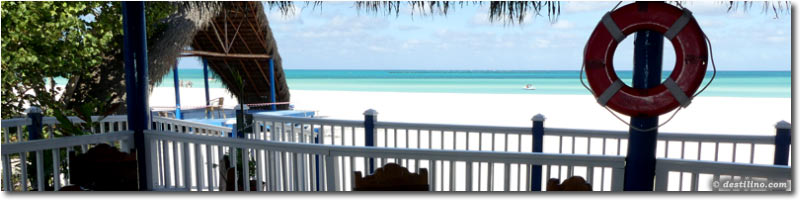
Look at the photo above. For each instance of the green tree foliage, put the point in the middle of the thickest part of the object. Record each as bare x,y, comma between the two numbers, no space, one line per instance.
45,40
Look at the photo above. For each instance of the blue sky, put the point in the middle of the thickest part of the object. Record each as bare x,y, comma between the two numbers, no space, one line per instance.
339,36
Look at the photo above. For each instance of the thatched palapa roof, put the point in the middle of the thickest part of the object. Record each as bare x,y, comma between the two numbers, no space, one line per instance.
228,35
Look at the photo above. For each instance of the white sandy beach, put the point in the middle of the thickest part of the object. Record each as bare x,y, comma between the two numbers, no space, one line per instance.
728,115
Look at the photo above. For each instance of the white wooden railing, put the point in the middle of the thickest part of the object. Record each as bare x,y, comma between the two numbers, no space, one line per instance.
289,166
453,154
17,148
189,127
694,175
19,151
688,146
738,148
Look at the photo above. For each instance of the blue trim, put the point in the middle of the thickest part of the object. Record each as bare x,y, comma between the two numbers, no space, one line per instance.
272,84
175,80
316,163
205,82
135,52
783,138
130,69
35,129
640,163
369,138
536,170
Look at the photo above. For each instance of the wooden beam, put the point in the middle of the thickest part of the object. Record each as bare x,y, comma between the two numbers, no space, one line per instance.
187,53
260,69
258,92
258,36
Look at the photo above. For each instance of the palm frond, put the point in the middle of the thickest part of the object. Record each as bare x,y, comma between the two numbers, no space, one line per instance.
506,12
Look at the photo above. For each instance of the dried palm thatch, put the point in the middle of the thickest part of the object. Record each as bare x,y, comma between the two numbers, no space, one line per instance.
225,28
506,12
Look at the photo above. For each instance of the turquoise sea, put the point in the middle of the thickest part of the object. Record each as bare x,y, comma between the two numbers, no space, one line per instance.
726,83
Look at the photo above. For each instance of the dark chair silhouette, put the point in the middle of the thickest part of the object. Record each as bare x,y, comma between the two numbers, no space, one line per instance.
575,183
392,177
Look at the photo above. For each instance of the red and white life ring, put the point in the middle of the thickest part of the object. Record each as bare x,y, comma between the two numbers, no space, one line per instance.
675,24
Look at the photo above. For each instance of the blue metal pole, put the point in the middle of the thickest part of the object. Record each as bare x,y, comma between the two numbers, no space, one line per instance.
135,44
205,81
130,69
35,133
538,144
316,162
370,116
35,129
783,139
272,84
241,120
142,81
175,80
640,163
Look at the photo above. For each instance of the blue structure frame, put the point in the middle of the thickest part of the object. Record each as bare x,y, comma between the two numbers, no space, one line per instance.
640,163
135,53
272,84
538,144
205,81
175,79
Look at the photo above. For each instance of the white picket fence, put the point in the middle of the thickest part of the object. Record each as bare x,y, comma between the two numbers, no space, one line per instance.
302,154
288,166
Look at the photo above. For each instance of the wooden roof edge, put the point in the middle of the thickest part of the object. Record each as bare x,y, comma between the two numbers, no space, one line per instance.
190,53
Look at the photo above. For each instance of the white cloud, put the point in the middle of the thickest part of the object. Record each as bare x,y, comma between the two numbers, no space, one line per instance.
480,18
291,17
776,39
378,48
408,27
563,24
541,43
582,6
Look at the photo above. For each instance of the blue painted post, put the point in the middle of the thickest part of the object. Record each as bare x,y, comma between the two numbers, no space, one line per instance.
783,139
640,163
370,117
239,128
272,84
538,145
130,69
35,129
316,161
175,80
135,53
205,81
142,82
35,133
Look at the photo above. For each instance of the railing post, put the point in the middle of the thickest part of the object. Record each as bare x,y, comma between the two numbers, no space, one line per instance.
538,145
35,133
316,159
35,129
241,121
370,117
783,138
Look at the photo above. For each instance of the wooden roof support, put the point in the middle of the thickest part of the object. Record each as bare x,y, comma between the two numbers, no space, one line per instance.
187,53
263,43
258,92
260,69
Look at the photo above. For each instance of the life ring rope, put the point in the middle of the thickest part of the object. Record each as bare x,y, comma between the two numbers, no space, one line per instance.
670,84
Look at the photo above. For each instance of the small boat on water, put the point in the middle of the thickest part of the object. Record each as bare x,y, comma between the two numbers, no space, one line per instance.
529,87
